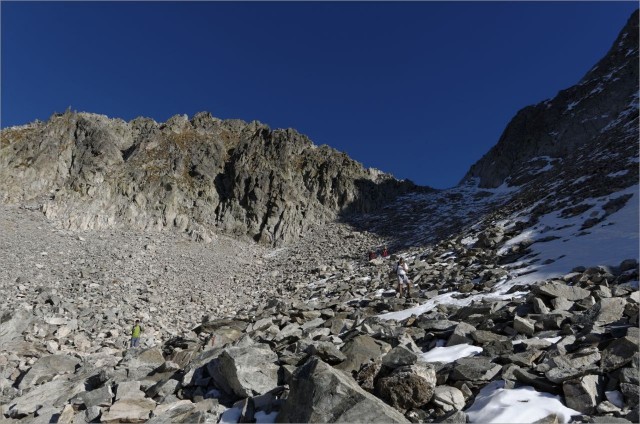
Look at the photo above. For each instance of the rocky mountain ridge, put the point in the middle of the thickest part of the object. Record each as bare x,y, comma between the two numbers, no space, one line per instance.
201,176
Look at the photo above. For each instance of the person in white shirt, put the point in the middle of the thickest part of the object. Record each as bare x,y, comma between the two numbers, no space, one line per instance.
401,270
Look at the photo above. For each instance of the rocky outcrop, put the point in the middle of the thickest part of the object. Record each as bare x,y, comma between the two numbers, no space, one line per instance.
322,394
576,116
199,176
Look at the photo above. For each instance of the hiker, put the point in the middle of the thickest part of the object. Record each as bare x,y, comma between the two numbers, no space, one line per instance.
372,255
401,271
135,334
385,252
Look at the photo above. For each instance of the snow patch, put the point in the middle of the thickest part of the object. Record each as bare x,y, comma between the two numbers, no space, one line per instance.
449,353
619,173
495,404
607,243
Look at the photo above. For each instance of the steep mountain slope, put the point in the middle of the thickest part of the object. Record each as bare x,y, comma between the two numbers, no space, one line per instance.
198,176
575,117
529,174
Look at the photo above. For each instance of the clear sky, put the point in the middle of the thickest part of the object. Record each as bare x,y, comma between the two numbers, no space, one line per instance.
418,89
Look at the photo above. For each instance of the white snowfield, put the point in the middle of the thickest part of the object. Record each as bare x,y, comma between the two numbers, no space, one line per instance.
495,404
448,354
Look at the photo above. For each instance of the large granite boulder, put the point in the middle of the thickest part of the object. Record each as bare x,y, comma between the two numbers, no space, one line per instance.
320,393
361,350
47,367
245,371
408,387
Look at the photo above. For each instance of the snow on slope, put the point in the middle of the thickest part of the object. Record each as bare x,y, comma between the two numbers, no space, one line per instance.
608,243
605,244
495,404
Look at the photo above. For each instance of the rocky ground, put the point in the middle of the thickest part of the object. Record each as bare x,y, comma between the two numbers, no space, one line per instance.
303,333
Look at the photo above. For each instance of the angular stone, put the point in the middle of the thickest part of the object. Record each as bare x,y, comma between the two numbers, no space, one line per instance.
54,393
609,310
583,394
326,351
619,353
448,398
48,367
556,289
129,411
320,393
631,393
456,417
539,383
312,324
367,375
482,337
474,369
583,358
525,359
289,331
399,356
523,325
245,371
560,375
129,390
102,396
561,304
360,350
539,306
408,387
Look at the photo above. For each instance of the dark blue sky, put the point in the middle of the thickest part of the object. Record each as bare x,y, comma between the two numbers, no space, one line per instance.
418,89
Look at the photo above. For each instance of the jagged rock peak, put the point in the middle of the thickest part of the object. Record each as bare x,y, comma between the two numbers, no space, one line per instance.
576,116
201,175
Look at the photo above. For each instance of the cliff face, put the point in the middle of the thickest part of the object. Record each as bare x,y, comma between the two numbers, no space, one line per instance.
200,176
576,116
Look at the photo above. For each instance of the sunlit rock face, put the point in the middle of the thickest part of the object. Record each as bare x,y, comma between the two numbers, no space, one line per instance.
201,176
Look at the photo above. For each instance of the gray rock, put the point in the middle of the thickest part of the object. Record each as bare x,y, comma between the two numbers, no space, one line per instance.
482,337
246,371
523,325
609,310
48,367
474,369
556,289
320,393
631,393
561,304
448,398
102,396
456,417
129,410
129,390
360,350
92,413
583,394
12,324
169,413
619,353
399,356
327,352
539,306
52,394
408,387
